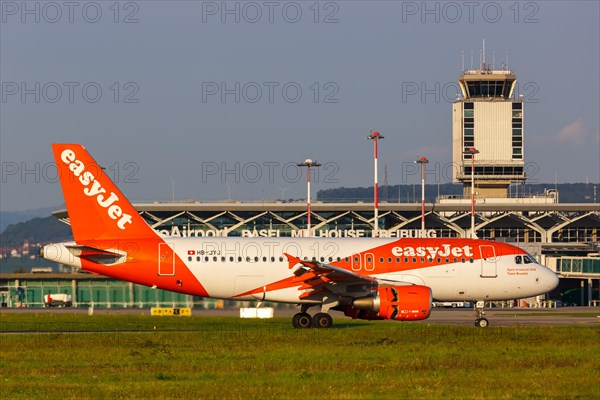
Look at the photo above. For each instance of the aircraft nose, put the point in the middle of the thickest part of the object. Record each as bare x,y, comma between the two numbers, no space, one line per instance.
550,279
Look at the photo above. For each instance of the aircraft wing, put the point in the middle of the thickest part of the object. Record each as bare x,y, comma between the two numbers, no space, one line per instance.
316,276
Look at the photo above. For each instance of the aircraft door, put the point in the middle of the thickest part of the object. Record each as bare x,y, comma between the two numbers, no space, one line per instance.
488,261
166,260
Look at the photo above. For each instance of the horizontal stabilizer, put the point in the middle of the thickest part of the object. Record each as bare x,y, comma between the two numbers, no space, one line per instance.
101,256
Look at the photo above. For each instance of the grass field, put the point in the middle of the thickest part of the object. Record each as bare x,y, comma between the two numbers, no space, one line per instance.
228,358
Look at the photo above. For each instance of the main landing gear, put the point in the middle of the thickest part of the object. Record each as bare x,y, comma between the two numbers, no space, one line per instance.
480,321
303,320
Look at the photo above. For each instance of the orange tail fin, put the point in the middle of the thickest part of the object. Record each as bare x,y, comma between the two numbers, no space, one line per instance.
97,209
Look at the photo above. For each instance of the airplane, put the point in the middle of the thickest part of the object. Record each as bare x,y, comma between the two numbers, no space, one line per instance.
365,278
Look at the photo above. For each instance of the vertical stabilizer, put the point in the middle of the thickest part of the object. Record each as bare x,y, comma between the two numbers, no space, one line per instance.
97,209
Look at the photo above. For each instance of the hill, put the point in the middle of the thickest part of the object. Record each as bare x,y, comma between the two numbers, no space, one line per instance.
14,217
568,192
36,230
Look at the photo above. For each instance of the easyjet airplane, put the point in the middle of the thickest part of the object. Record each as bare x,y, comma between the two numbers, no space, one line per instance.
366,278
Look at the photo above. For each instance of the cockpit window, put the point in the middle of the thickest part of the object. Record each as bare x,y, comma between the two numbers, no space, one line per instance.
518,259
528,259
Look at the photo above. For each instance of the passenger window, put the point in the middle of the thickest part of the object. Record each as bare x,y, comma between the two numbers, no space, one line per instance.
518,259
405,259
470,260
215,258
422,260
330,259
264,259
230,259
280,258
390,260
189,258
255,259
430,259
398,260
381,259
369,259
439,260
223,259
462,260
322,259
239,259
272,259
346,259
414,260
198,258
205,259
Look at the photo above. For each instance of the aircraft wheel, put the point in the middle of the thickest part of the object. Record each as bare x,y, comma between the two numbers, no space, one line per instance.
322,320
482,322
302,321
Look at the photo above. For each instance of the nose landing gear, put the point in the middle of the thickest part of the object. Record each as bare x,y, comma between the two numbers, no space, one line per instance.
480,321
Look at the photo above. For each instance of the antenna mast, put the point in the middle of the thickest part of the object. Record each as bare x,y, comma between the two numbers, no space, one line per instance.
483,57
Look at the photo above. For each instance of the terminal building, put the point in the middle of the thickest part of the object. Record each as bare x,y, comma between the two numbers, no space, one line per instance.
562,236
487,118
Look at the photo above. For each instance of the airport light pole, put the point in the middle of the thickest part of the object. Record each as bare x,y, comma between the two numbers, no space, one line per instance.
375,137
472,151
308,163
422,161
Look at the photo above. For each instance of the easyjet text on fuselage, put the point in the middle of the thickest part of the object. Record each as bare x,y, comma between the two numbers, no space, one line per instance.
445,250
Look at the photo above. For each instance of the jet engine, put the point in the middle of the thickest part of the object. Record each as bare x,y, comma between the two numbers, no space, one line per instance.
400,303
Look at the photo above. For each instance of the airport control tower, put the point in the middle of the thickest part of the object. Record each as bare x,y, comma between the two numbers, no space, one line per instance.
488,118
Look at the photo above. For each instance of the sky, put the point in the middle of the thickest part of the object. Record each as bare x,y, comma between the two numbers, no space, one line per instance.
212,100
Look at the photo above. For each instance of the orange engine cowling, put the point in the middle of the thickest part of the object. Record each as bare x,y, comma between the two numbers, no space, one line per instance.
400,303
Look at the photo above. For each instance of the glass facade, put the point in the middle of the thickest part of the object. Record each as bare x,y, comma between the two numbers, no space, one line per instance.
517,131
490,88
468,128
